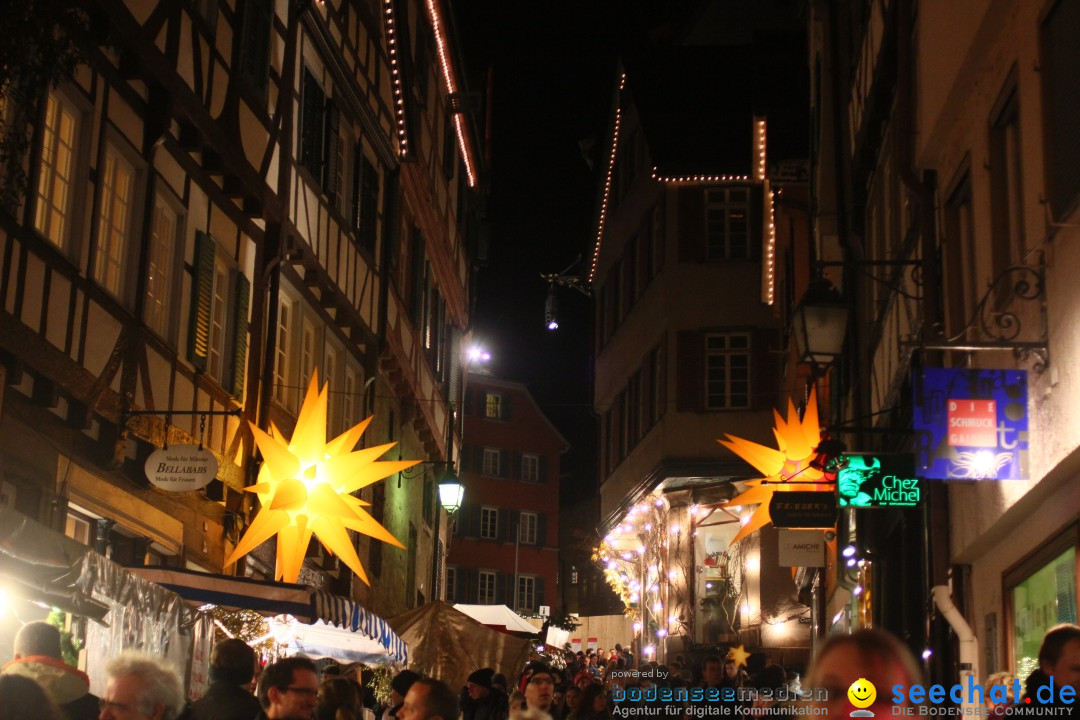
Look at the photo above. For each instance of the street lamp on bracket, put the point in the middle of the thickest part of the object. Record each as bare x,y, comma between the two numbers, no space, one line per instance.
819,325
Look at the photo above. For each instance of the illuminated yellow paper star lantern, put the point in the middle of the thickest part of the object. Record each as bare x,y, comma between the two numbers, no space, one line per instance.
739,655
785,469
304,487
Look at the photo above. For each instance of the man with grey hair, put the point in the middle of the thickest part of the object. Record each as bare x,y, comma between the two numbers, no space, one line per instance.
141,687
38,657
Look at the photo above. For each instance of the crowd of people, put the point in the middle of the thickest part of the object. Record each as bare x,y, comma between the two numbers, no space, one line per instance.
593,685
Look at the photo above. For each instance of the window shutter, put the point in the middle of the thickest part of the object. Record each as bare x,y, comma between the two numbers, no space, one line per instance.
757,209
255,53
502,588
539,599
202,298
467,585
332,162
515,466
541,530
459,584
240,333
475,527
369,203
504,464
505,408
470,399
690,352
355,214
478,459
504,531
463,461
513,531
765,369
311,125
692,225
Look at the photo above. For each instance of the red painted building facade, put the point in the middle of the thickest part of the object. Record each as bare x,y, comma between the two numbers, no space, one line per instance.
505,540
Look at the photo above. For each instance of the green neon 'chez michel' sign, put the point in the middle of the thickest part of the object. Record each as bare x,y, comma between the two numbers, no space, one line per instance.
878,481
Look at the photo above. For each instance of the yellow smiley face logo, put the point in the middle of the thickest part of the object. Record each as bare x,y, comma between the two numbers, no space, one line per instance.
862,693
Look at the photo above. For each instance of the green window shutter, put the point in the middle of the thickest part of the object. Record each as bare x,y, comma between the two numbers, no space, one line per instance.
369,204
541,530
240,333
255,52
312,109
332,164
202,298
539,598
504,413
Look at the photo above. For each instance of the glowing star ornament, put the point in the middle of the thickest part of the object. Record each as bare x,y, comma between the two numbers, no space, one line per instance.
785,469
305,485
739,655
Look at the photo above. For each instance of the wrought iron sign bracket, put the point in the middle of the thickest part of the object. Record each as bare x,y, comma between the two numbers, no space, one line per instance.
997,323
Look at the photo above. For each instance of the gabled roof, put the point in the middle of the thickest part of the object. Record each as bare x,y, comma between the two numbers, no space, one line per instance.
490,381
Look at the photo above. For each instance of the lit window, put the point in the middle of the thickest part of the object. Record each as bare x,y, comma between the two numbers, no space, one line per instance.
489,523
218,315
493,406
159,282
492,462
451,584
117,198
727,371
485,594
282,366
526,594
727,224
352,397
331,364
530,468
53,207
527,528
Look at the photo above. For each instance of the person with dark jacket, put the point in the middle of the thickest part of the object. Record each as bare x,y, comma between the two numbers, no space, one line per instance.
232,665
483,701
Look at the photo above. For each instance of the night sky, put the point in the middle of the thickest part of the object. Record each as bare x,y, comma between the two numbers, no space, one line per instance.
553,67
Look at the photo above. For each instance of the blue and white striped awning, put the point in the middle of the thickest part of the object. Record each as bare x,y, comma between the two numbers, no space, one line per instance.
329,625
350,615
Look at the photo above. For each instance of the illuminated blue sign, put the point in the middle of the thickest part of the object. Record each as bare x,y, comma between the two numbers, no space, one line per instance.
970,424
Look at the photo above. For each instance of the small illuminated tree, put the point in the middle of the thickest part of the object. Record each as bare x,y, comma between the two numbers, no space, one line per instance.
645,561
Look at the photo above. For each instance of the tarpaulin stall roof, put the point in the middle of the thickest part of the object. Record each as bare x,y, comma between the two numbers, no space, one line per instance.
47,568
320,624
448,644
498,617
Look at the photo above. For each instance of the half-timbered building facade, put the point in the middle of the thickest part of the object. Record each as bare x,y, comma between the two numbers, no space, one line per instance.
227,197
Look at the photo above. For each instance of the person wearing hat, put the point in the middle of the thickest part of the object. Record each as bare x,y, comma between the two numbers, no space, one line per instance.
483,701
38,657
539,691
399,687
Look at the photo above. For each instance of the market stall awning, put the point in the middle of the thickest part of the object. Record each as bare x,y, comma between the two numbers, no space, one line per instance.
447,644
498,617
238,593
321,624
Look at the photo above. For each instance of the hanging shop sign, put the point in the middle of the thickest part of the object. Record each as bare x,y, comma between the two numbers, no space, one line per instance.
871,481
802,548
970,424
799,509
181,468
